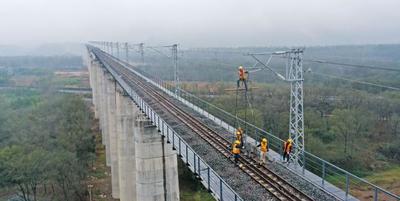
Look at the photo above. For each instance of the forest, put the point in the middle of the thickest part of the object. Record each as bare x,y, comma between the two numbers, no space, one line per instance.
45,149
46,140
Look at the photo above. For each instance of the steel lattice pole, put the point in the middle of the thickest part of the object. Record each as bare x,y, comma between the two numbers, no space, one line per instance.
296,121
111,48
117,46
127,52
175,60
141,50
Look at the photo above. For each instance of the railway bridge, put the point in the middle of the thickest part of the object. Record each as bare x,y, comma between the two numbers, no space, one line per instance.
146,127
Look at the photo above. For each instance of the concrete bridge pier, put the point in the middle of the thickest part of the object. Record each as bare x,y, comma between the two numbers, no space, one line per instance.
105,108
92,73
156,164
94,85
99,100
91,65
96,90
126,148
112,134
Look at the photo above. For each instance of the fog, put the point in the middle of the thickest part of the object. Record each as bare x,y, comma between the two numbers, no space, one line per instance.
201,23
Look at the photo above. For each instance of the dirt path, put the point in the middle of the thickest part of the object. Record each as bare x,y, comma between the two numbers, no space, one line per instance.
99,181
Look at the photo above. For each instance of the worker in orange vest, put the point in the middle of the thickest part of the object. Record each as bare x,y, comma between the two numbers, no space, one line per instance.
263,150
242,77
287,149
236,150
239,135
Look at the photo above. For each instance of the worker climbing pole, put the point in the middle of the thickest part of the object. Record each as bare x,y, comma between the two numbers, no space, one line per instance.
242,81
242,102
243,74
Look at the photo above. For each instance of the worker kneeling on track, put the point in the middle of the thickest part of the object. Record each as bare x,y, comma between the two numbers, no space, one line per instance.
263,150
236,150
242,77
287,149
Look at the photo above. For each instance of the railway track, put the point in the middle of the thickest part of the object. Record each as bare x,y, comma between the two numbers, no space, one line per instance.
273,183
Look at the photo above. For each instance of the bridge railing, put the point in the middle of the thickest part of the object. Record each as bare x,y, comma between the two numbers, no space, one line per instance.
209,178
349,183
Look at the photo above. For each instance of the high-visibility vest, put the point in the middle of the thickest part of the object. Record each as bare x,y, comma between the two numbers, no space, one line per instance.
264,146
241,74
235,150
238,135
287,147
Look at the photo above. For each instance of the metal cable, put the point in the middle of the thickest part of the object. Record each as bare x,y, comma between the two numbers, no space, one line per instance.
352,65
358,81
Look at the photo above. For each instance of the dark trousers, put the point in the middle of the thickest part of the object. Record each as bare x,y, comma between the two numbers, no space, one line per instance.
244,82
236,157
285,155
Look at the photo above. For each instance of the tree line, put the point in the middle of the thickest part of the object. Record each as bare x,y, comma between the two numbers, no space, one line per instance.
46,145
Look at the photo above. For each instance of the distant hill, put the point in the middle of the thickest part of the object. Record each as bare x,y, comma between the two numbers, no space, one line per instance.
50,49
64,61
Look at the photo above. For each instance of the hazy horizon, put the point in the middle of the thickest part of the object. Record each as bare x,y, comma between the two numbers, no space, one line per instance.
204,23
66,48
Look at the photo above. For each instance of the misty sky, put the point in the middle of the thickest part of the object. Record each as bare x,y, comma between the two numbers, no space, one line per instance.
201,23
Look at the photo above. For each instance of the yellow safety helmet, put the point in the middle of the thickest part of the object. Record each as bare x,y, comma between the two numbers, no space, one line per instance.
264,139
290,140
240,67
237,142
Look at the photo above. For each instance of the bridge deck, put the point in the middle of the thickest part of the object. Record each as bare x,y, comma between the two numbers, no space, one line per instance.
242,183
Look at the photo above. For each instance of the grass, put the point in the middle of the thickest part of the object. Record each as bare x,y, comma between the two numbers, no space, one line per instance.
388,176
100,159
195,196
99,176
190,188
68,82
388,179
